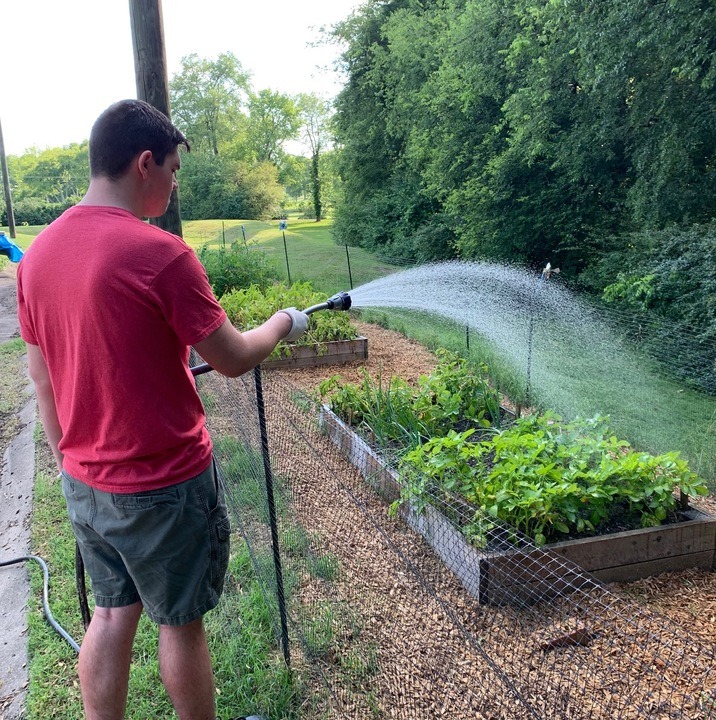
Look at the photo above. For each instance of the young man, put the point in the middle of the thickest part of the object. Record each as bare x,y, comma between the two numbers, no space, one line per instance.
109,307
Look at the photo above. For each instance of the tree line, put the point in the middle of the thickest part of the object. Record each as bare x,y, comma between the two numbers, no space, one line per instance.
238,166
576,132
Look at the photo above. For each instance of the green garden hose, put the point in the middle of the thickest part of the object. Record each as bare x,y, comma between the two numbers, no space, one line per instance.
45,596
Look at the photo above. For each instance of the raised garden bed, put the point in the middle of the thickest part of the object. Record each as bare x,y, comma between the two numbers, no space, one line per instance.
529,575
325,353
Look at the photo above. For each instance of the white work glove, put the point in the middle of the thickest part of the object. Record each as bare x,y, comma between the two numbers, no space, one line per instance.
299,323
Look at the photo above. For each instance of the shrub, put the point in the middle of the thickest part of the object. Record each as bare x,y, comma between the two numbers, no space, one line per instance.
237,266
34,211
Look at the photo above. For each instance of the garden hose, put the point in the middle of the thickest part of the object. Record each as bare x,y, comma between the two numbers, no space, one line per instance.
45,596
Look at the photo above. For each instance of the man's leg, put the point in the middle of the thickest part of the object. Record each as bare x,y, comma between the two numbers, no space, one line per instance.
185,667
105,656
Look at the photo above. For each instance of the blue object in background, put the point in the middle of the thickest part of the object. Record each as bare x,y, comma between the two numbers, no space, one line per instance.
7,247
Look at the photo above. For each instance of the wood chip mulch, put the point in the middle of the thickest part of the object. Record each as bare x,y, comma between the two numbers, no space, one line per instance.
410,633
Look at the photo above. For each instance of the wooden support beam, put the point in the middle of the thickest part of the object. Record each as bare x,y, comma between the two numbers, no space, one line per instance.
6,187
150,69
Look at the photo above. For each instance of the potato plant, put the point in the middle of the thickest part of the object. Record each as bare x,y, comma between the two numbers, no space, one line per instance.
548,478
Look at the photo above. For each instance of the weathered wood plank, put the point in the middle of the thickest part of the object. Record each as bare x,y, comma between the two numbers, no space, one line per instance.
633,547
329,353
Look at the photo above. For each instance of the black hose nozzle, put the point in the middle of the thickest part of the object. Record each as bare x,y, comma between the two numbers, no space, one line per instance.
339,301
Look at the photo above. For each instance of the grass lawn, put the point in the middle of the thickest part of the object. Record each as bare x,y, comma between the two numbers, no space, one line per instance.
312,254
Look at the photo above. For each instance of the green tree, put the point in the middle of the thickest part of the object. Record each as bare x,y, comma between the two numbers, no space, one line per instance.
208,101
220,187
273,119
523,130
315,115
53,175
44,183
295,175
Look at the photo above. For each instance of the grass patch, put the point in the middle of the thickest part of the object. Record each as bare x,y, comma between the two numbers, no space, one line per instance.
24,234
216,233
314,256
13,389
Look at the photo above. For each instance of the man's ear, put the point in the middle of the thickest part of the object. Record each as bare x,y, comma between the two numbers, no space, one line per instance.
143,163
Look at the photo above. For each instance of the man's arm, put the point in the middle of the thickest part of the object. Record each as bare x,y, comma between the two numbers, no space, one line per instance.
232,353
45,400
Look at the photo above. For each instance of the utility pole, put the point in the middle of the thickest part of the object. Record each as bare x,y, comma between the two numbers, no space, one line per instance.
150,69
6,187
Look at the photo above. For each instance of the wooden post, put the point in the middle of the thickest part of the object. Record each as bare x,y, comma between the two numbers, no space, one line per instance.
6,187
150,69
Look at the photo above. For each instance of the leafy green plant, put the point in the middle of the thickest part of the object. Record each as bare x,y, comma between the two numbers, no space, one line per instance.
237,266
251,306
400,415
383,412
636,291
547,478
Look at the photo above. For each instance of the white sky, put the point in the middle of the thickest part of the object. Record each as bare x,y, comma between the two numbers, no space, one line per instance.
64,61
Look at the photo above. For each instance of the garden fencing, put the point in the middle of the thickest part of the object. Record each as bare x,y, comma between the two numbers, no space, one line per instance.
387,616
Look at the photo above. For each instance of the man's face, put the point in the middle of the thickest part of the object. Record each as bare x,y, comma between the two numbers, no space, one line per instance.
161,182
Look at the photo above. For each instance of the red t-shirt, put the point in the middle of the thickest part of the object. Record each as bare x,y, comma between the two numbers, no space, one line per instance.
114,304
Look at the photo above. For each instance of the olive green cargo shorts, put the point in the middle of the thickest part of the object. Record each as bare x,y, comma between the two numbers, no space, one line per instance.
168,548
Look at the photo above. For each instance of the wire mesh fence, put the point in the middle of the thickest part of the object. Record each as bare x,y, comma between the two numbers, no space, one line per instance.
394,615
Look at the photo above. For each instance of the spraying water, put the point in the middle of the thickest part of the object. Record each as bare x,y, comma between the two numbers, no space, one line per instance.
503,304
495,300
573,361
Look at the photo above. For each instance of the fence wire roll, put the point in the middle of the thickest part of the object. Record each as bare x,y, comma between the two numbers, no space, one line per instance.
393,615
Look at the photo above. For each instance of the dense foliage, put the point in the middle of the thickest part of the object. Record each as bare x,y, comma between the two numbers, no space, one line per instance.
570,131
525,131
663,284
251,306
549,479
46,182
237,266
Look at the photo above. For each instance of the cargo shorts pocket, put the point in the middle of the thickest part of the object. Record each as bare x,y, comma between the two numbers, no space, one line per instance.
220,544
